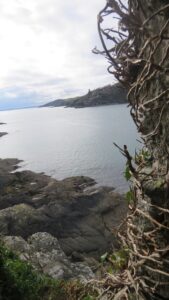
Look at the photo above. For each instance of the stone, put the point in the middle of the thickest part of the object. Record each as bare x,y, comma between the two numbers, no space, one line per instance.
72,210
43,251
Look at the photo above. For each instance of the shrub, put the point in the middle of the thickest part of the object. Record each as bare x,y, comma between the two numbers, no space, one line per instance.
19,281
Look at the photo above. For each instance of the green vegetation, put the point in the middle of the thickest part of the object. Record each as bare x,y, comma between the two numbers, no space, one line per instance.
127,173
119,259
116,261
19,281
143,157
130,197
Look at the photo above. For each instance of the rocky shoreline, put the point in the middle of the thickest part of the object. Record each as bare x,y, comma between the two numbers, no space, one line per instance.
73,215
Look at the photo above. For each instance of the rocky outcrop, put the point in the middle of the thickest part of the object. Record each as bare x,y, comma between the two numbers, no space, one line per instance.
46,221
111,94
44,253
72,210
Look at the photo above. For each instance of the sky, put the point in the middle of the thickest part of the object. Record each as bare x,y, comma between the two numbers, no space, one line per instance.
46,51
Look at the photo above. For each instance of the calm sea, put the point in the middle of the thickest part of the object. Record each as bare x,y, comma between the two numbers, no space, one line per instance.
64,142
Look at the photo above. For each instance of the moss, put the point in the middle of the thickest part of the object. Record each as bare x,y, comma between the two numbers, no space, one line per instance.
23,208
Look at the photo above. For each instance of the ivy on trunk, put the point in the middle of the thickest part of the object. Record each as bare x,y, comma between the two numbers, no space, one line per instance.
137,49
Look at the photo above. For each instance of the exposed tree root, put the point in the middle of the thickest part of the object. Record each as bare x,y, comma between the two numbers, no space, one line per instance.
135,61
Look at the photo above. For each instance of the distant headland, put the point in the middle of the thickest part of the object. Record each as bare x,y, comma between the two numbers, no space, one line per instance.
110,94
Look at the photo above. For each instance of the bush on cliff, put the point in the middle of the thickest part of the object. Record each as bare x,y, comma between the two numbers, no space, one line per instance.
19,281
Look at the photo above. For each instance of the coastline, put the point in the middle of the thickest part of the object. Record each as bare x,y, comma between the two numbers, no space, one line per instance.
73,211
107,95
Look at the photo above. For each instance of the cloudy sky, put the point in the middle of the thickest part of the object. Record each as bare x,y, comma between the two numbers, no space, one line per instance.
45,48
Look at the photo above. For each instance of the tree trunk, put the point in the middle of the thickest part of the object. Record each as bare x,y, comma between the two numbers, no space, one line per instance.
149,96
139,58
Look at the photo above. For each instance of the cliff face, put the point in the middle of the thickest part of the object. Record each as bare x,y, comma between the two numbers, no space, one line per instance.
111,94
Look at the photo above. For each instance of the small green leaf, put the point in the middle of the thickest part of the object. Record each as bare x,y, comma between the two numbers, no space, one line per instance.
103,257
127,173
119,259
130,197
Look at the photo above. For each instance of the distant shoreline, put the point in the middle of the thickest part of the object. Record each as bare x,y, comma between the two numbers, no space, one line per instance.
108,95
31,202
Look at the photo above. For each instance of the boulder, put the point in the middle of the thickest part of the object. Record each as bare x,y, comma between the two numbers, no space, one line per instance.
43,251
76,212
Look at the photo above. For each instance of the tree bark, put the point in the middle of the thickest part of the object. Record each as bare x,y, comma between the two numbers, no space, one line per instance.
140,59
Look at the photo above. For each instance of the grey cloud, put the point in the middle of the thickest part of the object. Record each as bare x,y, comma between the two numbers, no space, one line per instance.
56,59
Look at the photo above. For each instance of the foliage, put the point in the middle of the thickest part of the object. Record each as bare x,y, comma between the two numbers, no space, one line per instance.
19,281
127,173
130,197
143,157
119,259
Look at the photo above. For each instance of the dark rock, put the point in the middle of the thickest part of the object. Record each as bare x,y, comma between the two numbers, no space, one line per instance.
43,251
3,133
80,216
